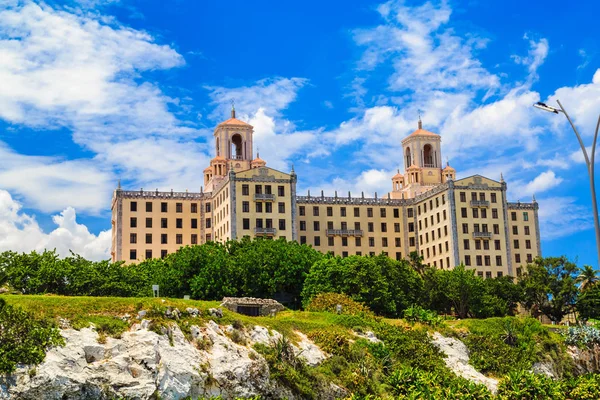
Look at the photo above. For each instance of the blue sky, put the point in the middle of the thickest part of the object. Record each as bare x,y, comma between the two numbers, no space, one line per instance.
92,91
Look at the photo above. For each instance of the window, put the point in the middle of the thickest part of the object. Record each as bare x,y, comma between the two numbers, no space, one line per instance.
133,222
133,206
396,213
484,228
282,224
475,227
163,253
473,196
207,223
317,241
194,223
513,216
371,242
486,245
516,244
483,213
302,239
482,196
179,207
302,211
246,223
396,227
498,261
370,227
463,212
163,222
382,212
344,241
397,242
488,275
163,207
330,211
179,239
281,190
330,241
497,244
493,196
479,260
494,213
356,212
179,223
475,213
411,242
316,226
517,258
465,228
496,229
329,224
344,226
525,216
268,189
445,230
194,238
480,274
398,256
163,238
467,260
383,227
343,211
194,207
281,208
478,245
384,242
208,210
528,244
268,208
245,190
132,254
411,226
529,259
258,189
148,206
245,206
370,212
302,225
357,242
463,196
410,213
315,211
133,238
515,230
258,207
466,244
527,230
499,274
148,238
148,222
269,223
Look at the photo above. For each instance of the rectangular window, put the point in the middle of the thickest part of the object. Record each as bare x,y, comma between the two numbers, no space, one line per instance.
384,242
463,197
316,226
516,244
411,242
268,189
208,210
488,275
498,261
329,224
132,254
467,260
396,213
245,190
497,244
133,222
315,211
344,226
398,256
463,212
179,207
483,213
258,189
344,241
383,227
396,227
259,223
268,208
245,206
513,216
164,207
397,242
529,259
330,211
410,213
478,245
302,225
370,212
281,190
357,241
269,223
148,206
475,227
194,238
207,223
411,226
515,230
496,229
356,211
178,239
382,212
163,222
517,258
148,238
194,207
371,242
133,206
525,216
343,211
133,238
258,207
479,260
281,208
317,240
473,196
493,196
302,239
301,211
179,223
163,253
148,222
194,223
465,228
163,238
487,261
370,227
475,213
494,213
528,244
246,223
466,244
330,241
486,245
282,224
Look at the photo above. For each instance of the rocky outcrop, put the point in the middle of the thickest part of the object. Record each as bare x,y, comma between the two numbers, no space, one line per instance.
142,364
457,360
587,360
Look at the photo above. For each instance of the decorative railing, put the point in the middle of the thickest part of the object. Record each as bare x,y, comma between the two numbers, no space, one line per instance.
136,194
482,235
264,196
265,231
522,206
480,203
344,232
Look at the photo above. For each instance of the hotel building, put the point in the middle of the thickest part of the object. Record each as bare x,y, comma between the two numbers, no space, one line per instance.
447,221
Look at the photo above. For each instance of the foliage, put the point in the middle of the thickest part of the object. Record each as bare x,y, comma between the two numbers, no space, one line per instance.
582,336
419,314
549,287
521,385
587,278
588,304
23,339
384,285
104,325
329,302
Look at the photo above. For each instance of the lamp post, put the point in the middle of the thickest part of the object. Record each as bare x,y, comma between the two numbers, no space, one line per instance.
589,161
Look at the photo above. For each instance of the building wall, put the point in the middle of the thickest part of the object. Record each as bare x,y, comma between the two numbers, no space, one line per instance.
523,228
435,230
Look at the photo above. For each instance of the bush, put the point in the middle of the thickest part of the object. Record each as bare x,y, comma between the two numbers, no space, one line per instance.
109,326
584,336
329,301
23,339
419,314
527,385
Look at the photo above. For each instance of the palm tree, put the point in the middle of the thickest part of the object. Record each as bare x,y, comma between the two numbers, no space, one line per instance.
587,277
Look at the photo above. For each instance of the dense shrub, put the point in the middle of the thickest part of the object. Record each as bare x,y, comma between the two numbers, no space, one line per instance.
419,314
23,339
521,385
582,336
329,302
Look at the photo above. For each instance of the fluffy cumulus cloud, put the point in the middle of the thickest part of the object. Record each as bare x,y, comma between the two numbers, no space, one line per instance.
20,232
562,216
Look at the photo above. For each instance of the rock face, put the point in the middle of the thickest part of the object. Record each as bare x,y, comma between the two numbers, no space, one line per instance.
587,361
142,364
457,360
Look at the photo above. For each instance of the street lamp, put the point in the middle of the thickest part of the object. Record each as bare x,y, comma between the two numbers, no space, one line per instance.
589,161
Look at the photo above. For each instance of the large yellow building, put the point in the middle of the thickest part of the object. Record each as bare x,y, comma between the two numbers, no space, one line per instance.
447,221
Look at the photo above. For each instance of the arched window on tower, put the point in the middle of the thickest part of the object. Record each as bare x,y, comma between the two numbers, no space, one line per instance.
408,158
428,156
236,147
218,149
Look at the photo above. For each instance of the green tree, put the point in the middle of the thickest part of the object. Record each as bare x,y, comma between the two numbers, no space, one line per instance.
500,298
588,303
549,287
462,289
23,339
587,278
214,276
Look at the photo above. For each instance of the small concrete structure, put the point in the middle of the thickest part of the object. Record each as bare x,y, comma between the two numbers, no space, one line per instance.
252,306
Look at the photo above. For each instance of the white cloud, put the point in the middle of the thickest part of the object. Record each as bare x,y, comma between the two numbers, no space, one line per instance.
561,217
368,182
543,182
538,51
20,232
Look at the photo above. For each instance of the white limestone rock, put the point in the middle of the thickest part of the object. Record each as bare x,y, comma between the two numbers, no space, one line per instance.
309,351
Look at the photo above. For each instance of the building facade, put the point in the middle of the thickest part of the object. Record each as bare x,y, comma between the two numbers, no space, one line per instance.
428,211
